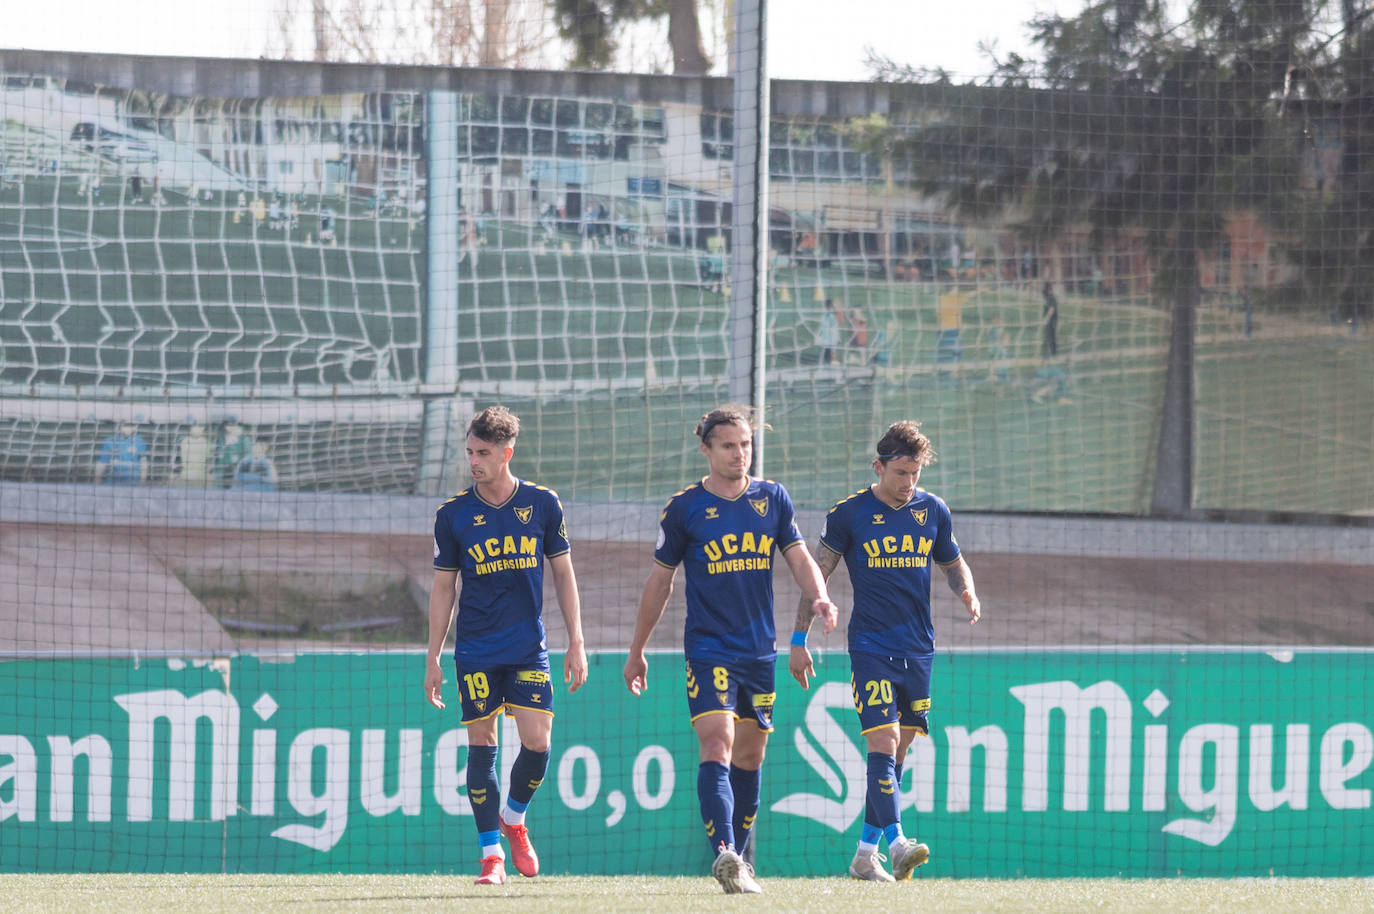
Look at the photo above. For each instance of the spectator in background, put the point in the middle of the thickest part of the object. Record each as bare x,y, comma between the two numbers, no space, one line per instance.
858,333
255,472
467,238
327,225
998,354
231,447
884,342
122,457
548,222
193,459
1049,319
828,334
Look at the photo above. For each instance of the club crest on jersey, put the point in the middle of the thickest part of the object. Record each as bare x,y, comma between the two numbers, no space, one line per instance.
920,515
760,506
524,514
479,520
712,513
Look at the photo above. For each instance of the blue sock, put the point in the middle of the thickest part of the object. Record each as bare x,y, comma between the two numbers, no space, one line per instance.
484,793
882,790
717,804
525,777
746,785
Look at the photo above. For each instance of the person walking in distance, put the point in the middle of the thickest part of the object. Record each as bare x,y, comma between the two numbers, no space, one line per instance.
496,537
1049,319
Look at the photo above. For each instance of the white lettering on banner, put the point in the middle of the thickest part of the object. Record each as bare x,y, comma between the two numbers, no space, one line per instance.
667,776
567,769
1294,790
1077,706
145,709
1154,780
332,802
1220,798
21,774
1207,757
1336,771
450,778
958,792
920,761
99,781
316,771
375,799
263,795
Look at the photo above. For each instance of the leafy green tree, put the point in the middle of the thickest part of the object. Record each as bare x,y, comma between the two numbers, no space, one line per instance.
1127,122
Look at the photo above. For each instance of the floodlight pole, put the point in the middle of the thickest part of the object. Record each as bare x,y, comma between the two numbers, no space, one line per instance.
748,276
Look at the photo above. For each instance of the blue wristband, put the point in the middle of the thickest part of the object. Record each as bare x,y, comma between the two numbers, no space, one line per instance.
799,639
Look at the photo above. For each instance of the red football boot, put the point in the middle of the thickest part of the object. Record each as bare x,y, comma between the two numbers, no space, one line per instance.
493,871
521,851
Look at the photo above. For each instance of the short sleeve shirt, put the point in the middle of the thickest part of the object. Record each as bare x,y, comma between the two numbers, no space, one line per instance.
727,547
499,553
888,552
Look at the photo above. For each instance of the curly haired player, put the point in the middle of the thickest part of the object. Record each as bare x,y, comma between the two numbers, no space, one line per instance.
889,534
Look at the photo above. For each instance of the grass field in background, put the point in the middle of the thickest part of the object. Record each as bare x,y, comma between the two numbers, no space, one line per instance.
270,894
612,352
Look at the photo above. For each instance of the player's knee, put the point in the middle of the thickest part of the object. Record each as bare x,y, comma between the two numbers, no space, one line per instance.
884,741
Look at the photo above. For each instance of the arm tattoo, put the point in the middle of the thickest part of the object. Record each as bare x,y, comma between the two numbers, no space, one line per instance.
826,561
960,577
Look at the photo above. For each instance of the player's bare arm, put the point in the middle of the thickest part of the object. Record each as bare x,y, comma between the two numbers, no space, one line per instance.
565,586
799,661
442,597
808,577
652,603
960,578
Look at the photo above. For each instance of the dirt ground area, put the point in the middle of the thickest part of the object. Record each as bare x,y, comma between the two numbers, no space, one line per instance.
73,588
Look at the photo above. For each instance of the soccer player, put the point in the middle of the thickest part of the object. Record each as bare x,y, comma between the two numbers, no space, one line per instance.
888,534
497,536
725,529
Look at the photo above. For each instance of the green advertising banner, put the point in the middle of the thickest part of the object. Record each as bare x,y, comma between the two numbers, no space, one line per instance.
1133,763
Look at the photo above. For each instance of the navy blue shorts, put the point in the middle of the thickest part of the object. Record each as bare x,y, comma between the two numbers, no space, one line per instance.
890,690
745,689
486,690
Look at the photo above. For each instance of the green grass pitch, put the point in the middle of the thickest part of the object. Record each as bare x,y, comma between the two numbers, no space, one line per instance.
270,894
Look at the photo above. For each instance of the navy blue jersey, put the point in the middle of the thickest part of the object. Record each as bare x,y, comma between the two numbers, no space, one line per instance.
499,552
727,547
888,552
